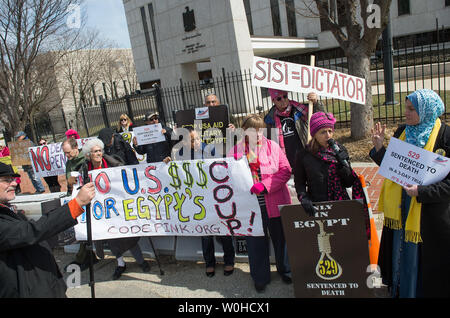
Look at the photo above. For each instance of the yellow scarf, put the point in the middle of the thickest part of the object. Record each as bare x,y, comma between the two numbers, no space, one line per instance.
391,197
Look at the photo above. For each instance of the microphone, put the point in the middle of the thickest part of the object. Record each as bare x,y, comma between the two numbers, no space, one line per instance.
332,143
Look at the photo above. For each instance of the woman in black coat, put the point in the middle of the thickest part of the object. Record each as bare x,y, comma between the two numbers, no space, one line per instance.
321,173
414,260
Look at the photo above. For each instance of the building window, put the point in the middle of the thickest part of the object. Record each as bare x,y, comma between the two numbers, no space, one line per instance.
248,13
447,3
291,18
323,25
147,38
152,23
403,7
276,22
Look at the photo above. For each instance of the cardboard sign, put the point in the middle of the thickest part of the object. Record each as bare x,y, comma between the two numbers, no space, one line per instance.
48,160
149,134
19,152
305,79
128,137
406,164
183,198
328,252
211,121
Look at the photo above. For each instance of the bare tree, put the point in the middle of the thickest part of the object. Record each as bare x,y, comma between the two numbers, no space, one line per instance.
360,26
33,36
81,67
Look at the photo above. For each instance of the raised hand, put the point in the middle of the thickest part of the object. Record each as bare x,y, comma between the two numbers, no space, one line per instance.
378,133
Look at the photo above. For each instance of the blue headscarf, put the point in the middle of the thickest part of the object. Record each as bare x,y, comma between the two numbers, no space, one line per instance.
429,107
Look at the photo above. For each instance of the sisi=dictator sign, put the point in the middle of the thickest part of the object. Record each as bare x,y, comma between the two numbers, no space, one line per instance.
328,252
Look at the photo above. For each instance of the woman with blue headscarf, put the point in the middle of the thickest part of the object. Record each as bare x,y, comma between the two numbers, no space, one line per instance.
414,254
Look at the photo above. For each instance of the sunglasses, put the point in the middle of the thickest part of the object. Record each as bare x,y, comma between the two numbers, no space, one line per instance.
280,97
153,118
123,119
42,143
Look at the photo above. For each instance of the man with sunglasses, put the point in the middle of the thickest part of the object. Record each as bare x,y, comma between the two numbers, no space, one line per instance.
27,265
291,120
158,151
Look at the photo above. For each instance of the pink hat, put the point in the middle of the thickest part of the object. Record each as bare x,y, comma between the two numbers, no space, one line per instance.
274,93
71,133
321,120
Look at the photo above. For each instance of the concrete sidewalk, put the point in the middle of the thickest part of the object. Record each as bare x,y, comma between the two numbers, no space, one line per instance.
181,279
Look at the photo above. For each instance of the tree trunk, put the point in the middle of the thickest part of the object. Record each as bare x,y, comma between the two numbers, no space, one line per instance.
361,115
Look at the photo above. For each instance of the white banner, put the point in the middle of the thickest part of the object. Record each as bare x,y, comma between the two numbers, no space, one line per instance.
148,134
406,164
305,79
182,198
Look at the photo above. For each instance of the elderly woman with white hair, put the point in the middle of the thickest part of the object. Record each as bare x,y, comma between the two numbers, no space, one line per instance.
97,159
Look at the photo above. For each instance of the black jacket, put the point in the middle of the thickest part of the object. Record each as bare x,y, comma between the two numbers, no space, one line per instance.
311,175
27,265
434,228
158,151
122,149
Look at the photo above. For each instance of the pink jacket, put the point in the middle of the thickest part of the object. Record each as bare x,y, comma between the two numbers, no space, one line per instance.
275,173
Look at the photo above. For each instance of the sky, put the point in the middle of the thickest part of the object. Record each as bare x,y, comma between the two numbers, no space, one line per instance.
108,16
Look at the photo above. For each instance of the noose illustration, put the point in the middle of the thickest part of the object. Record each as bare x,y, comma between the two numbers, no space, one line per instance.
327,267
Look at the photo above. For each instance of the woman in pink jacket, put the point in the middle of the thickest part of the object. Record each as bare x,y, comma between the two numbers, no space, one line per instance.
270,171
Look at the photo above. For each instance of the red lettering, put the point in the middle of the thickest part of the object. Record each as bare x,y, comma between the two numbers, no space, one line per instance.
158,187
303,77
257,64
275,67
105,186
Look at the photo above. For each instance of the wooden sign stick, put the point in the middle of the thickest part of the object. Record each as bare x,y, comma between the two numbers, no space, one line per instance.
310,105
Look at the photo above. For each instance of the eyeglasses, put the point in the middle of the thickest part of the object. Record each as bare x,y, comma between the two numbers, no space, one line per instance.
153,118
42,143
7,179
123,119
280,97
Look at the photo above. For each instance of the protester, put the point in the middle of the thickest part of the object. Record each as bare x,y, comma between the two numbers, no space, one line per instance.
52,181
75,160
37,183
270,172
213,100
4,152
321,173
117,147
291,120
97,159
196,147
414,251
159,151
27,265
72,133
125,124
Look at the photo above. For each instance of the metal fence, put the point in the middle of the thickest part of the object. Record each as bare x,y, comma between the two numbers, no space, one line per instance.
415,66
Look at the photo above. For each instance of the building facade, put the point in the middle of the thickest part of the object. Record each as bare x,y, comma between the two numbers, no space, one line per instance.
177,41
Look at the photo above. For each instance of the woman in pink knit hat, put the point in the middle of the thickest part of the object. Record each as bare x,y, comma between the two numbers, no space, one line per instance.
322,170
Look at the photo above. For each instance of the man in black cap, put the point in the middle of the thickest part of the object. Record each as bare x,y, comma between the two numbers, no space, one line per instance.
27,265
117,147
159,151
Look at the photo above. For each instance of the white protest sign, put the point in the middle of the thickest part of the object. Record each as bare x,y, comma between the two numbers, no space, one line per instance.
405,164
305,79
48,160
185,198
149,134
